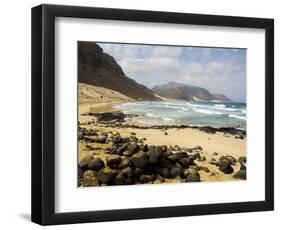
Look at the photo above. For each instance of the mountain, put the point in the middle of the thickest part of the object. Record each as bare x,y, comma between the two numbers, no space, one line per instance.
100,69
221,97
174,90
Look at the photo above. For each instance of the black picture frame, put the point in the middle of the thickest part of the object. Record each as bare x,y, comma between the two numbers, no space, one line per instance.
43,114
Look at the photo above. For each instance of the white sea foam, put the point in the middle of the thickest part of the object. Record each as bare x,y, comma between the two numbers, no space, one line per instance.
237,117
219,105
183,112
206,111
167,119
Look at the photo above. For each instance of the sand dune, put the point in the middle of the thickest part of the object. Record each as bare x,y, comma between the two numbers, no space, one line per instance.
98,99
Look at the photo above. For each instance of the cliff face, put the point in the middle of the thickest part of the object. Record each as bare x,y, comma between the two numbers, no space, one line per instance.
175,90
100,69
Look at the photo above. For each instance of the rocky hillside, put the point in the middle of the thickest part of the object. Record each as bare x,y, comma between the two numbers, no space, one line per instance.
222,97
175,90
100,69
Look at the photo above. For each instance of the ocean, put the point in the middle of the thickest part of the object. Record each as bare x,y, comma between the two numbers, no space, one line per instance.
180,112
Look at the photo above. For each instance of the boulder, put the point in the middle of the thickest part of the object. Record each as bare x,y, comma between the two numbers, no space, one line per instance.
240,174
202,158
89,179
164,163
125,162
153,157
164,172
159,151
132,148
138,172
224,164
119,179
232,159
83,164
122,148
96,164
196,148
110,116
186,162
176,171
146,178
164,148
106,175
143,148
116,139
113,161
196,156
191,175
242,159
127,172
139,160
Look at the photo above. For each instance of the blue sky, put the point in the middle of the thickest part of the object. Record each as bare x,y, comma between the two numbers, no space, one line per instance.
217,69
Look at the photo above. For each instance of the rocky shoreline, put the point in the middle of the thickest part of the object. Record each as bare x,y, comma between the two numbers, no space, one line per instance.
118,119
129,160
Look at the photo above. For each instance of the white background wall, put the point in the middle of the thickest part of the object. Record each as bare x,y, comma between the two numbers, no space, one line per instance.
15,112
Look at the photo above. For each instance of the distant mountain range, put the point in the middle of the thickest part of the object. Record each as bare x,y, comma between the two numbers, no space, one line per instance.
100,69
174,90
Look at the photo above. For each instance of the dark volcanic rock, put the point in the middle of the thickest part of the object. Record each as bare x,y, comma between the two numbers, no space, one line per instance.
138,171
202,158
224,164
79,172
191,175
125,162
139,160
83,164
176,171
120,179
196,156
132,148
96,164
186,162
196,148
122,148
240,174
106,175
242,159
208,129
232,159
89,179
203,168
113,161
110,116
80,135
127,172
146,178
164,163
152,157
177,156
124,177
116,139
164,172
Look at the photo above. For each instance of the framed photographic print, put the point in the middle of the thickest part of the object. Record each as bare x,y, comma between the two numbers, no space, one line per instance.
142,114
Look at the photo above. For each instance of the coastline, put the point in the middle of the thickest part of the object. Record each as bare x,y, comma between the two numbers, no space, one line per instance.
215,143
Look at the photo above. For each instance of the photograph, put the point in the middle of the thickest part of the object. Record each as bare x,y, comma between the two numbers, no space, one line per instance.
153,114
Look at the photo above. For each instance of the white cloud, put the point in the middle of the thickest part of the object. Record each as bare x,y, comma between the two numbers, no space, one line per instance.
152,65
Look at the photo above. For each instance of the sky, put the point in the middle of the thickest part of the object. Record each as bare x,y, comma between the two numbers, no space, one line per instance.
220,70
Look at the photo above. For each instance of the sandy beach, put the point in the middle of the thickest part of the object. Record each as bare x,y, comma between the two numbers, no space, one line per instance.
214,146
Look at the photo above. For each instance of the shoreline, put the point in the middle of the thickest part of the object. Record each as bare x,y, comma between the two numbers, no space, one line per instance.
100,124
